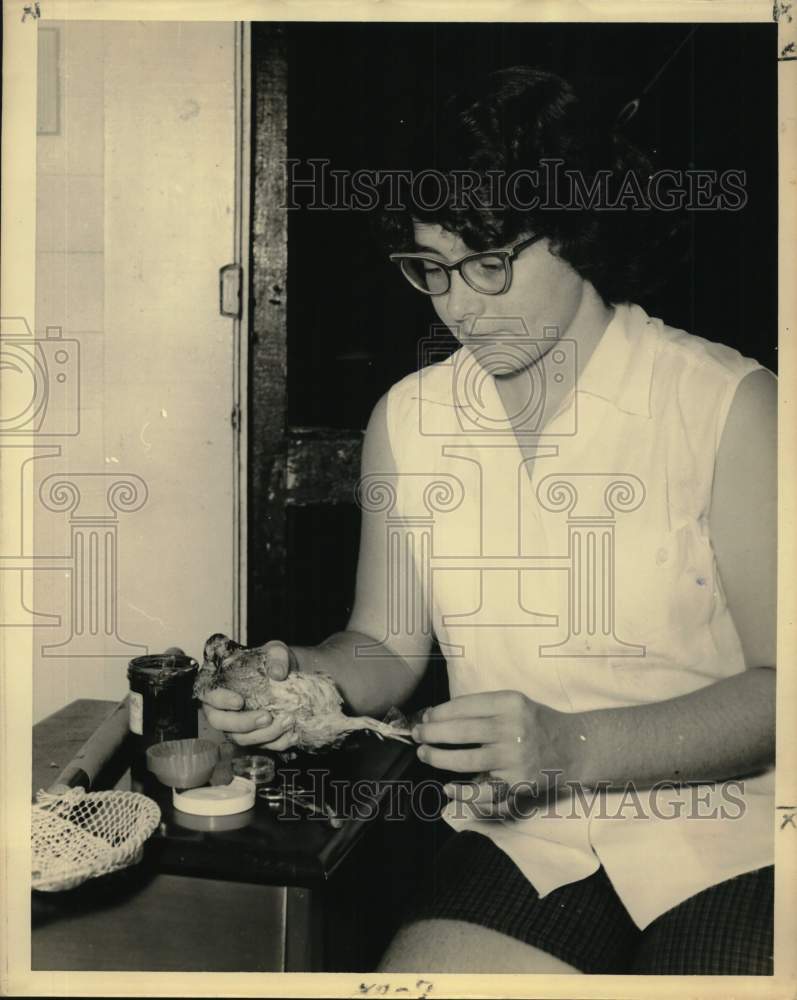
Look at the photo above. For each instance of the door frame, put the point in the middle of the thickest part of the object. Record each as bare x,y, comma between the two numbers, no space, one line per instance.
240,373
288,466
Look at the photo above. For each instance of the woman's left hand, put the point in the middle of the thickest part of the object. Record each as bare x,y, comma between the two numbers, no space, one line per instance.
516,741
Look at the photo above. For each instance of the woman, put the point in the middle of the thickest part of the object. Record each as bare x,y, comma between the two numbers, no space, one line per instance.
601,577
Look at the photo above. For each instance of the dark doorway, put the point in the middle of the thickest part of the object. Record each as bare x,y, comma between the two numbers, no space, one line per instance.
334,326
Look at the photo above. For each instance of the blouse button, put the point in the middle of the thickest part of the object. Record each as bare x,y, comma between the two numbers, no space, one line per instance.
661,556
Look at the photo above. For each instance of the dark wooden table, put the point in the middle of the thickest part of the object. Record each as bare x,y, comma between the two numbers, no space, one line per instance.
276,894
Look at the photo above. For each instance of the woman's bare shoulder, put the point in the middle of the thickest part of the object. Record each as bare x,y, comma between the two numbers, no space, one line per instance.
698,352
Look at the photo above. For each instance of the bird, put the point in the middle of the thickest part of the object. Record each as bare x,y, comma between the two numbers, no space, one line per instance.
308,703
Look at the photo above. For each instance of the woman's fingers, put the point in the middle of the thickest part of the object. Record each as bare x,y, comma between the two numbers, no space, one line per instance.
278,660
237,722
224,699
480,792
487,730
482,758
276,656
470,706
251,728
496,796
276,737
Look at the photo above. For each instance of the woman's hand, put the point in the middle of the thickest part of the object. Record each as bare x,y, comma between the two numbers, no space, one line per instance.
224,708
516,742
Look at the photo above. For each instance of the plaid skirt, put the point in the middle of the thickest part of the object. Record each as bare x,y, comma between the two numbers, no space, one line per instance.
724,930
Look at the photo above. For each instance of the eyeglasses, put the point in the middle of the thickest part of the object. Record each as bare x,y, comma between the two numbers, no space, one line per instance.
488,272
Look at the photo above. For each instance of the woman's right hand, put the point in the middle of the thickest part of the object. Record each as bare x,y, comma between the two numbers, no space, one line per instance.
224,708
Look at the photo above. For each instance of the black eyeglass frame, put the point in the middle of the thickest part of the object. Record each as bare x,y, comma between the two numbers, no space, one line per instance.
507,256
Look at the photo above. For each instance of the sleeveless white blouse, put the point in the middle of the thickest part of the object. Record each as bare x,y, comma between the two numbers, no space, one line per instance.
585,579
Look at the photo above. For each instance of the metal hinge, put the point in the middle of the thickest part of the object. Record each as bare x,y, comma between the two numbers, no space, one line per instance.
230,280
235,417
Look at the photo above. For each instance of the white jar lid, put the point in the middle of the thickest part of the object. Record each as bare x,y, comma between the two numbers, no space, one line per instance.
216,800
213,824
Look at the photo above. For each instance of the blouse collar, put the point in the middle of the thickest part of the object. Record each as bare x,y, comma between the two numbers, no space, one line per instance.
620,369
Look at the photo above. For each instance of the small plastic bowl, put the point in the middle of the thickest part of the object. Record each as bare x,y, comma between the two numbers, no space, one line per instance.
183,763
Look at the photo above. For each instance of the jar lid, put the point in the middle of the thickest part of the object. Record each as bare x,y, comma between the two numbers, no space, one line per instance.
216,800
161,666
213,824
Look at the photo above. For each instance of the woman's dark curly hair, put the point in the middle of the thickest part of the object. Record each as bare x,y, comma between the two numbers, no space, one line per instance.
510,121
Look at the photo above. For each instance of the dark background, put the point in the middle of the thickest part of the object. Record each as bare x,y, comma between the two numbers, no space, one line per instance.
356,94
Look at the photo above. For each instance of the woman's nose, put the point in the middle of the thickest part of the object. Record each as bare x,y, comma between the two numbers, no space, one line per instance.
464,304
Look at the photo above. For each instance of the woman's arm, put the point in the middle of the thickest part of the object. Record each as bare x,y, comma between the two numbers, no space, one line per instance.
724,730
370,675
373,683
371,680
728,728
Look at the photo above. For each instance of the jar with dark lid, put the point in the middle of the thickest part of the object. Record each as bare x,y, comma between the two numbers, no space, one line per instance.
161,699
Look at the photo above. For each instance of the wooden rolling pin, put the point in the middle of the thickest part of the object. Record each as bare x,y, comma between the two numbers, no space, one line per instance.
95,752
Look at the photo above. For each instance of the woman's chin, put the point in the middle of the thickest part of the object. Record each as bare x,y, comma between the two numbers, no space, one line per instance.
500,371
504,358
500,365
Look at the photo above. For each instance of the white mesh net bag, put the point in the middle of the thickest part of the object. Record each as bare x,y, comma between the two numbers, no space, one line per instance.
80,835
